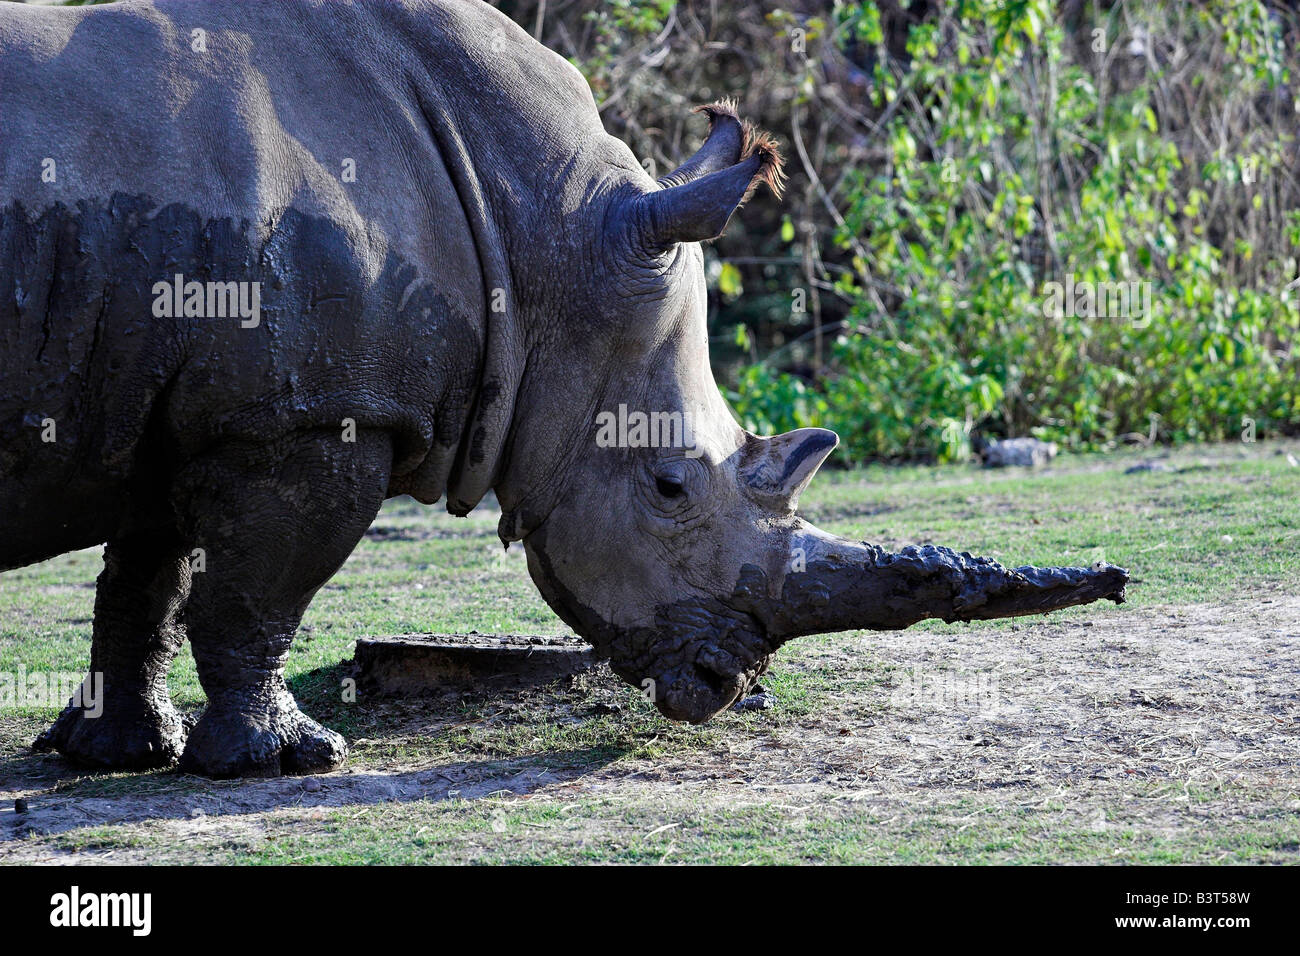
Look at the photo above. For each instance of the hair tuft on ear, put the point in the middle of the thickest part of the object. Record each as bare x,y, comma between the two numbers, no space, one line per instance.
723,107
755,141
772,171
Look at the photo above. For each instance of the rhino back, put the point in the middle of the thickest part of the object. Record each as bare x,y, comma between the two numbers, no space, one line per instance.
132,156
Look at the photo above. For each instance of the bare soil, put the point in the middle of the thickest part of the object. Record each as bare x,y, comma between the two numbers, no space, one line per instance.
1164,720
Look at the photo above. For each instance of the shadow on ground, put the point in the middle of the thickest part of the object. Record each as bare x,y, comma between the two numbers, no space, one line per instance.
60,796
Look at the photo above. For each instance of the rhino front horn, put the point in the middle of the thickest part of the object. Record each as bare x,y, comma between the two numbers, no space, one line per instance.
695,201
847,586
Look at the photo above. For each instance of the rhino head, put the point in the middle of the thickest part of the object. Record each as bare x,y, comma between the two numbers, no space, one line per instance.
654,525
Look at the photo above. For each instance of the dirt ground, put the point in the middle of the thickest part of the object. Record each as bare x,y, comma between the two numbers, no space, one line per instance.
1169,722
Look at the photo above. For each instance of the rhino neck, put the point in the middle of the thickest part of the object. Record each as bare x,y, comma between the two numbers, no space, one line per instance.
522,140
500,109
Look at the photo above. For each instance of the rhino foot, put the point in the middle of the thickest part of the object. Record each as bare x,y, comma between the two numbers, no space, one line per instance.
249,741
129,734
292,532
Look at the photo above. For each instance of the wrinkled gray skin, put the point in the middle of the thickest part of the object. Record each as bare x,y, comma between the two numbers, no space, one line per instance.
500,272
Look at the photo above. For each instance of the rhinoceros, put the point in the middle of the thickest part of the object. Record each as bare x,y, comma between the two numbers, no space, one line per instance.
266,265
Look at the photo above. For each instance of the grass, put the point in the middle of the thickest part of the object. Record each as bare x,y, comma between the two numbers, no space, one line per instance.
739,831
541,777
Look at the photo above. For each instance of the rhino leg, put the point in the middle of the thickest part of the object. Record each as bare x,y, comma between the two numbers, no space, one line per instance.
125,717
274,523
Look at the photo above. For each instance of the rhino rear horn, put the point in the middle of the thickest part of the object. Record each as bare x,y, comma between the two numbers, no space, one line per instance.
695,202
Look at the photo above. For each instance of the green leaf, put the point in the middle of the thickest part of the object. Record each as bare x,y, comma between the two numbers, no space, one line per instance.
729,282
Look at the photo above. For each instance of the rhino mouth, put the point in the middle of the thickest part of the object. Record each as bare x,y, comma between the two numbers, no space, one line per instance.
692,660
695,672
709,693
697,692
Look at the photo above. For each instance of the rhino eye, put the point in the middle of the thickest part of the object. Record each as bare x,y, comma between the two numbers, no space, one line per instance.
669,487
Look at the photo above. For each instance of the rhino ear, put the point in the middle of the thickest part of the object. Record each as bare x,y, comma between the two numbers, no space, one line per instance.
778,469
695,201
722,148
